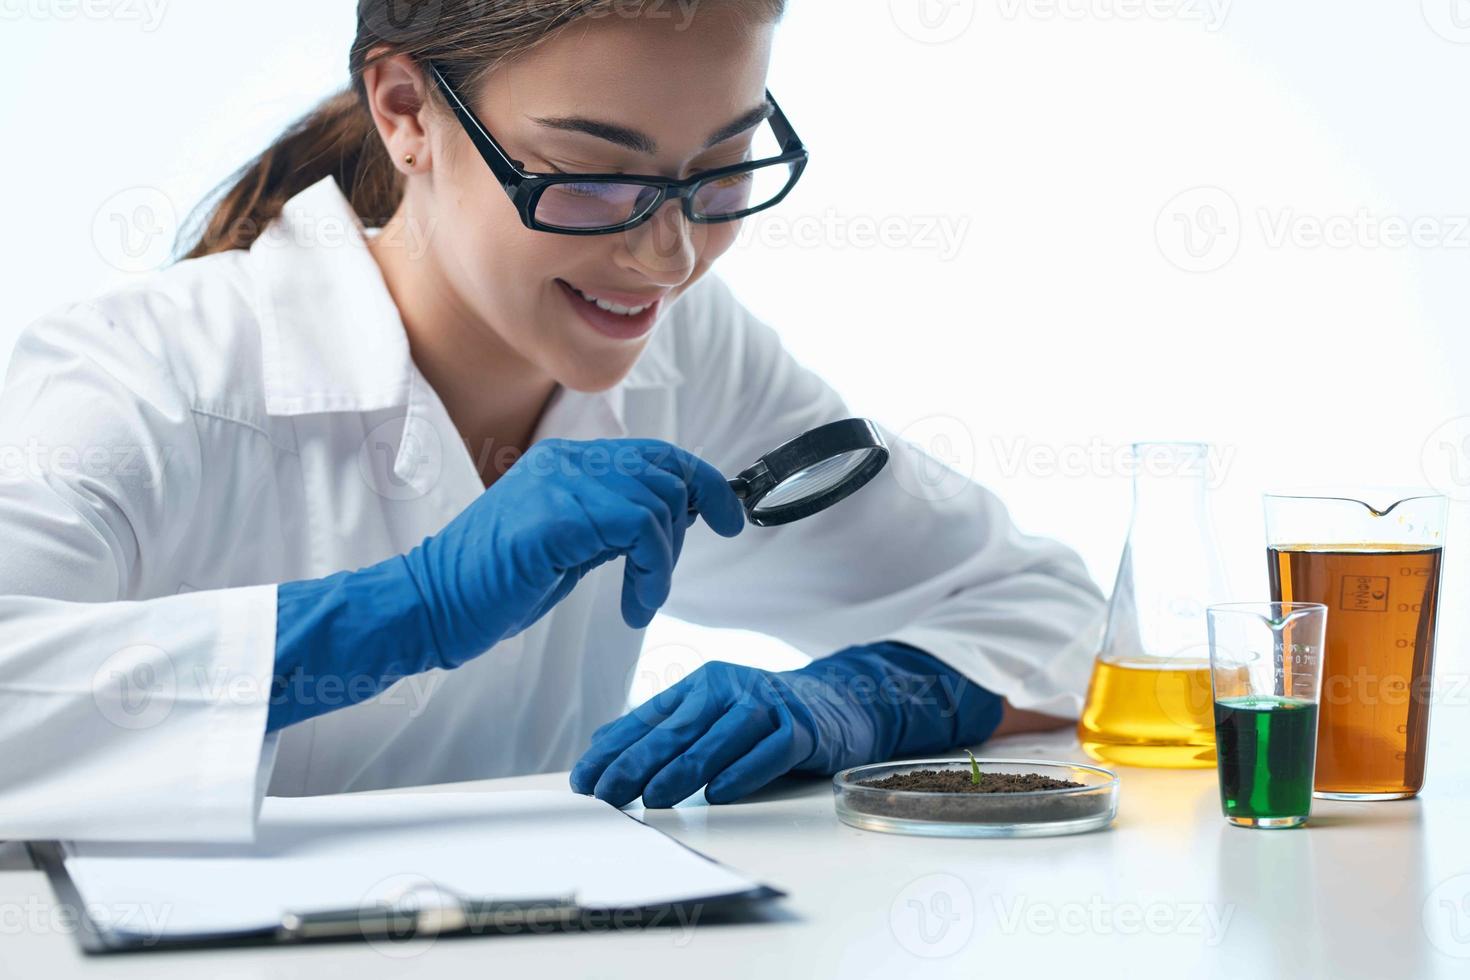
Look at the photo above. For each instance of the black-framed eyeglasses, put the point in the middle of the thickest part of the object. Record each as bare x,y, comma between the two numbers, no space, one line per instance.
601,204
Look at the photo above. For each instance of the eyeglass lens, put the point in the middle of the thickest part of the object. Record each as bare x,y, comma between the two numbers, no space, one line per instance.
594,204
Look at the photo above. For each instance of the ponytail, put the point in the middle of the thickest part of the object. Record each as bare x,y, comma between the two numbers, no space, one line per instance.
337,139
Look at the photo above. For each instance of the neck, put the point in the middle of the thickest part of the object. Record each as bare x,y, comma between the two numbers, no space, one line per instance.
494,396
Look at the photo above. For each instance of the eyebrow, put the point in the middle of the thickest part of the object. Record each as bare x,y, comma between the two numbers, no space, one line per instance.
641,142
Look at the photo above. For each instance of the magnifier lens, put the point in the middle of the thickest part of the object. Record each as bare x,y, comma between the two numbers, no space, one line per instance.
815,480
810,473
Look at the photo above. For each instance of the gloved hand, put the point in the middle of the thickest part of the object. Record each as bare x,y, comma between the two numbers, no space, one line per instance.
562,510
733,729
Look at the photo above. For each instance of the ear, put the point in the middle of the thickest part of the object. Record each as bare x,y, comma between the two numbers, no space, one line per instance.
396,96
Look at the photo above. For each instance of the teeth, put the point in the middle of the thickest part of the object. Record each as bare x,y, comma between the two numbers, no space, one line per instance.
612,307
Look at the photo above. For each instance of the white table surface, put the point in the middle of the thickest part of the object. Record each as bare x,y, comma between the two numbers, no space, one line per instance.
1373,890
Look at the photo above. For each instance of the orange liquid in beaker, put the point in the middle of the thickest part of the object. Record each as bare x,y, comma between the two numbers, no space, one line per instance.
1148,712
1381,602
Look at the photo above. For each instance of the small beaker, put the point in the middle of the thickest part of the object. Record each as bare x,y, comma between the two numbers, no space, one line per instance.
1266,675
1373,558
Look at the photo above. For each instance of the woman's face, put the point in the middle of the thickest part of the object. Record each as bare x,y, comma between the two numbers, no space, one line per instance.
609,94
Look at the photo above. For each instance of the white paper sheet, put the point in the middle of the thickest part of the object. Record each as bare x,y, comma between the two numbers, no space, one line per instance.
353,852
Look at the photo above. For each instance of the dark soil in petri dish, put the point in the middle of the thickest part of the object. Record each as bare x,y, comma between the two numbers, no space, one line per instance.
955,781
993,801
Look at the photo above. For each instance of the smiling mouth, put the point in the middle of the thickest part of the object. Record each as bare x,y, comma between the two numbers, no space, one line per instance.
612,318
611,306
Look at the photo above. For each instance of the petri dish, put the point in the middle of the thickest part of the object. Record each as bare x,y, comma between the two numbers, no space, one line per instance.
1032,813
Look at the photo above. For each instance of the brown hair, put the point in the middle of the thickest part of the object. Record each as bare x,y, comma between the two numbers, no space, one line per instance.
338,138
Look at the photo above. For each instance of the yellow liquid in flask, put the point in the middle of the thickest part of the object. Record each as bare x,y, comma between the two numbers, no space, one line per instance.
1150,713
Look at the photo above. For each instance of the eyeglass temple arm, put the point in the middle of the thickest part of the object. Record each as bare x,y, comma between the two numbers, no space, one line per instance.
782,127
507,170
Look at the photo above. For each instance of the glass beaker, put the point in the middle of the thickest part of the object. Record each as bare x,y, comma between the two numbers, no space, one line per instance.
1149,702
1266,667
1372,557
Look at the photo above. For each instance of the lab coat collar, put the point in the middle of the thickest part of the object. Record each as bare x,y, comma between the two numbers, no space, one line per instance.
331,336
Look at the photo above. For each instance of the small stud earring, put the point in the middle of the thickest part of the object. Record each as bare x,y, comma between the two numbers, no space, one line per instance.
410,159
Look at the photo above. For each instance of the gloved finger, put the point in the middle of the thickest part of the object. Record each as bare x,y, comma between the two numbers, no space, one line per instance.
771,758
709,492
674,492
666,498
729,738
631,519
624,778
635,613
612,739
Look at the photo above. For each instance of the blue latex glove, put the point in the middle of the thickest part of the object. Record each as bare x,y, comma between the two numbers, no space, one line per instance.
734,729
562,510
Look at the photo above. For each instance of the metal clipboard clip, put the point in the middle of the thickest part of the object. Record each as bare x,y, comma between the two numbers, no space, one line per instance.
427,909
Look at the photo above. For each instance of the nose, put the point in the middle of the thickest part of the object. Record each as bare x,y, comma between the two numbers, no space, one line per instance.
665,248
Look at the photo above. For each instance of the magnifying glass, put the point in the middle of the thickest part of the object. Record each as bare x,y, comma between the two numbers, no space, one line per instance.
811,472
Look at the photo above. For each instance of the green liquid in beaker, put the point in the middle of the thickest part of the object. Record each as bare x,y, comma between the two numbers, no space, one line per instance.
1266,747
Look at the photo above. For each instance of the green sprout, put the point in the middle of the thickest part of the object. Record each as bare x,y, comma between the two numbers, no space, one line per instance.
974,768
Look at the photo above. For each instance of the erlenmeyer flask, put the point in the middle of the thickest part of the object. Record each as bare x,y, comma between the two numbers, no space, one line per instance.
1149,703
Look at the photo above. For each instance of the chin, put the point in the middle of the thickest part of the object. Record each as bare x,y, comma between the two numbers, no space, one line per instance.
591,377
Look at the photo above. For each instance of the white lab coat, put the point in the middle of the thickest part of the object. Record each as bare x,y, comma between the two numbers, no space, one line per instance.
171,450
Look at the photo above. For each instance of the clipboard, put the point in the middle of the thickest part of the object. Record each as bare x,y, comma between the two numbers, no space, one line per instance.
450,914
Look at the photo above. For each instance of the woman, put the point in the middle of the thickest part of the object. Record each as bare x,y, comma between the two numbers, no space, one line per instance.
323,508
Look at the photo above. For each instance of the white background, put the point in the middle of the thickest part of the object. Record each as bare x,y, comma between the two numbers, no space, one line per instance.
1097,225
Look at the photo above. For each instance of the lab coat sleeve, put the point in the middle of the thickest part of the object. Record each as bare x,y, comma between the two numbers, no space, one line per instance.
124,717
934,563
